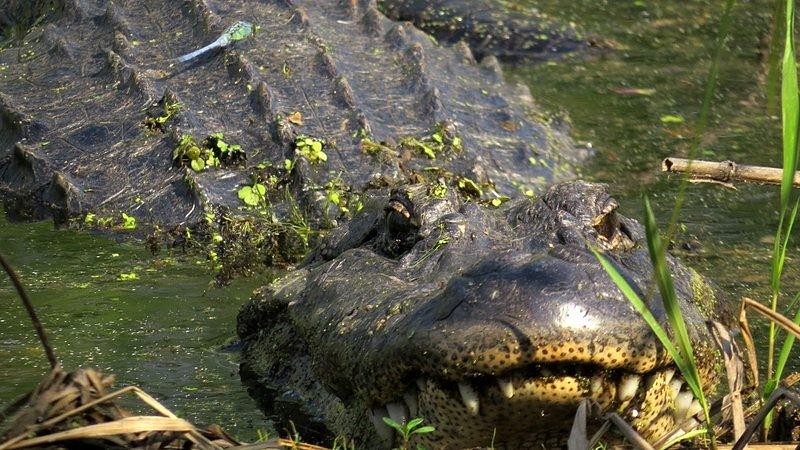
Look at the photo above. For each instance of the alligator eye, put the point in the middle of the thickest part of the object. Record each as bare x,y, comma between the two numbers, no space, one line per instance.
401,226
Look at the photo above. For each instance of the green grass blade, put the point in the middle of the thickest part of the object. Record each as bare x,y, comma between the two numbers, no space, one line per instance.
640,307
790,106
670,299
773,78
790,112
783,356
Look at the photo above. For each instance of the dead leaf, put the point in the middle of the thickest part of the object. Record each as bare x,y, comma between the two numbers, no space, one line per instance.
295,118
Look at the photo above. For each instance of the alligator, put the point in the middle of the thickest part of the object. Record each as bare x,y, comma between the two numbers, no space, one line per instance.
77,89
510,33
422,160
491,323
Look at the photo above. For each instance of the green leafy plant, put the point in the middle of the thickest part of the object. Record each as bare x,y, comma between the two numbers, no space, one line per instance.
438,189
128,222
212,152
158,122
790,116
310,149
375,148
132,276
253,195
469,188
437,143
409,429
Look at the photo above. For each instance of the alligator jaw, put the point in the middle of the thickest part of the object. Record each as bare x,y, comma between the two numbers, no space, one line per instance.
536,405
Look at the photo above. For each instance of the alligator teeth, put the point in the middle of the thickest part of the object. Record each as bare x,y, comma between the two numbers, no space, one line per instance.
694,408
398,412
628,387
668,376
597,385
469,397
410,398
675,385
682,403
506,387
376,415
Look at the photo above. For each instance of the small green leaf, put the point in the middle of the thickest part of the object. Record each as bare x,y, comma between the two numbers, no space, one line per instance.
128,276
288,164
393,424
260,189
128,222
423,430
414,423
671,118
198,165
334,198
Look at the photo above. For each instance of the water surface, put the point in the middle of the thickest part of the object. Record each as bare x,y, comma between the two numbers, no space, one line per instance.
164,331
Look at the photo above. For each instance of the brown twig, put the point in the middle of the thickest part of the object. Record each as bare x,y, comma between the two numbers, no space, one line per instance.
48,350
725,171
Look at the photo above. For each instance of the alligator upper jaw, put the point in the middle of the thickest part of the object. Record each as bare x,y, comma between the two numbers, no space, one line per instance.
537,404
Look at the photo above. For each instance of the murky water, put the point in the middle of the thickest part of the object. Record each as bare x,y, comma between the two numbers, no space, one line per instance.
164,330
640,102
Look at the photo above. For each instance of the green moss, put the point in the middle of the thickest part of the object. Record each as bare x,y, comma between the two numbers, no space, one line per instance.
703,294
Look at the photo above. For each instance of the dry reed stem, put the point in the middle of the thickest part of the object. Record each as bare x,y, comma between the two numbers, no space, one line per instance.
725,171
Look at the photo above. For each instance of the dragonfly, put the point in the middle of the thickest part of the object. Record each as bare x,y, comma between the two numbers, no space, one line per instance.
235,32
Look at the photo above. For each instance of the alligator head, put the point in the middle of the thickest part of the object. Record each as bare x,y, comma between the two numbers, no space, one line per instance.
484,321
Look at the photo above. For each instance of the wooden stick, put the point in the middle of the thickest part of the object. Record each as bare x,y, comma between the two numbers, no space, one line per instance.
725,171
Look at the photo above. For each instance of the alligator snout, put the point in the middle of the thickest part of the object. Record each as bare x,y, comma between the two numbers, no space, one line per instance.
491,321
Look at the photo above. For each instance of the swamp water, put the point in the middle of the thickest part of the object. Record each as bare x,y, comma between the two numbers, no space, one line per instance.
164,330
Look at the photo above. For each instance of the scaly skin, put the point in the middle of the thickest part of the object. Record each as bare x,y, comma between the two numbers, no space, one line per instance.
490,29
475,318
75,93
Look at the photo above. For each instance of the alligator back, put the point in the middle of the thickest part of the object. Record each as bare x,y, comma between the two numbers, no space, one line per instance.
75,94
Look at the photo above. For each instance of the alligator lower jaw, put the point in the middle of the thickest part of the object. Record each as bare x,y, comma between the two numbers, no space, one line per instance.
538,406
